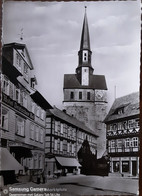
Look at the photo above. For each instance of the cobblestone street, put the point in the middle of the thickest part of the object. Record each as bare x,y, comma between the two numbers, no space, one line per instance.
76,185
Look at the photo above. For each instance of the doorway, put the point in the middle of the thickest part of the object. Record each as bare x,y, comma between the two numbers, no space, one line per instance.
134,168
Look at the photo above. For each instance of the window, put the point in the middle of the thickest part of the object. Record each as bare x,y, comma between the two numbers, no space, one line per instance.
37,133
125,125
19,62
4,119
11,91
61,146
111,127
137,123
56,126
68,147
62,127
120,110
33,82
68,131
127,142
72,149
38,111
119,143
88,95
33,107
21,97
5,86
26,76
131,124
85,56
72,95
135,141
17,95
119,126
82,135
42,114
25,99
55,144
40,161
114,126
20,126
41,135
112,143
32,131
80,95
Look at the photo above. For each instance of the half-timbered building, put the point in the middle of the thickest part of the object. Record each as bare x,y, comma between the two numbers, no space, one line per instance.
64,137
123,128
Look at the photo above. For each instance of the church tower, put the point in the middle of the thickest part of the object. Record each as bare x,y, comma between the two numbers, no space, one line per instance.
84,68
85,94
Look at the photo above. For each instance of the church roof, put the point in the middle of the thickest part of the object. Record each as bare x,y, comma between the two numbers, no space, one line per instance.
70,119
85,39
95,82
128,104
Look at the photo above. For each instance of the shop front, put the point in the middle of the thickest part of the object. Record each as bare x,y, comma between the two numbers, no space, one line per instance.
9,167
126,166
56,166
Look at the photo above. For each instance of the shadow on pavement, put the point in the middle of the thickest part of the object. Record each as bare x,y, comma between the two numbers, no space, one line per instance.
95,188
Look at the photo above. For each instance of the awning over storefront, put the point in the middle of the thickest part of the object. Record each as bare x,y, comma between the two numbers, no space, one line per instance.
68,162
8,162
21,151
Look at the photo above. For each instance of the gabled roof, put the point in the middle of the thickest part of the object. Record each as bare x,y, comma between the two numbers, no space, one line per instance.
95,82
129,104
19,46
70,119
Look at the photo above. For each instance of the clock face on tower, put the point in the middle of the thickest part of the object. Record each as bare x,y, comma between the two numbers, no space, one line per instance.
100,95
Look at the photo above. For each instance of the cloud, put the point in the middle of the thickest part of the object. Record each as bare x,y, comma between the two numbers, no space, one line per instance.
52,32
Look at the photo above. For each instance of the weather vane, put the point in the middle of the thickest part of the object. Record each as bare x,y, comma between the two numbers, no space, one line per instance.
21,34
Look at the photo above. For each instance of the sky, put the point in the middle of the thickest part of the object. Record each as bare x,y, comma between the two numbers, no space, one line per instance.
52,33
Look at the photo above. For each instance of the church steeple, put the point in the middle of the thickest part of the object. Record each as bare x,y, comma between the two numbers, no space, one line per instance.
85,39
84,68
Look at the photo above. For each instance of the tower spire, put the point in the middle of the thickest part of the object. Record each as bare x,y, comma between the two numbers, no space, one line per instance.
85,39
85,8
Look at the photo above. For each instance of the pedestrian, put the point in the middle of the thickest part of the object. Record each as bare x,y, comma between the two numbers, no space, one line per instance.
38,178
43,177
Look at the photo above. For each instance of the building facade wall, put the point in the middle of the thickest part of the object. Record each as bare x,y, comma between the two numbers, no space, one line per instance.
92,114
23,121
123,146
63,139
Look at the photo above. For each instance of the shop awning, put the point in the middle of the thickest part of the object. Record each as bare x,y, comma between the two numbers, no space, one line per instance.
21,151
68,162
8,162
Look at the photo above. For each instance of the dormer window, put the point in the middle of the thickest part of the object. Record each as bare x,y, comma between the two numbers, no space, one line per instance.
120,111
33,82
